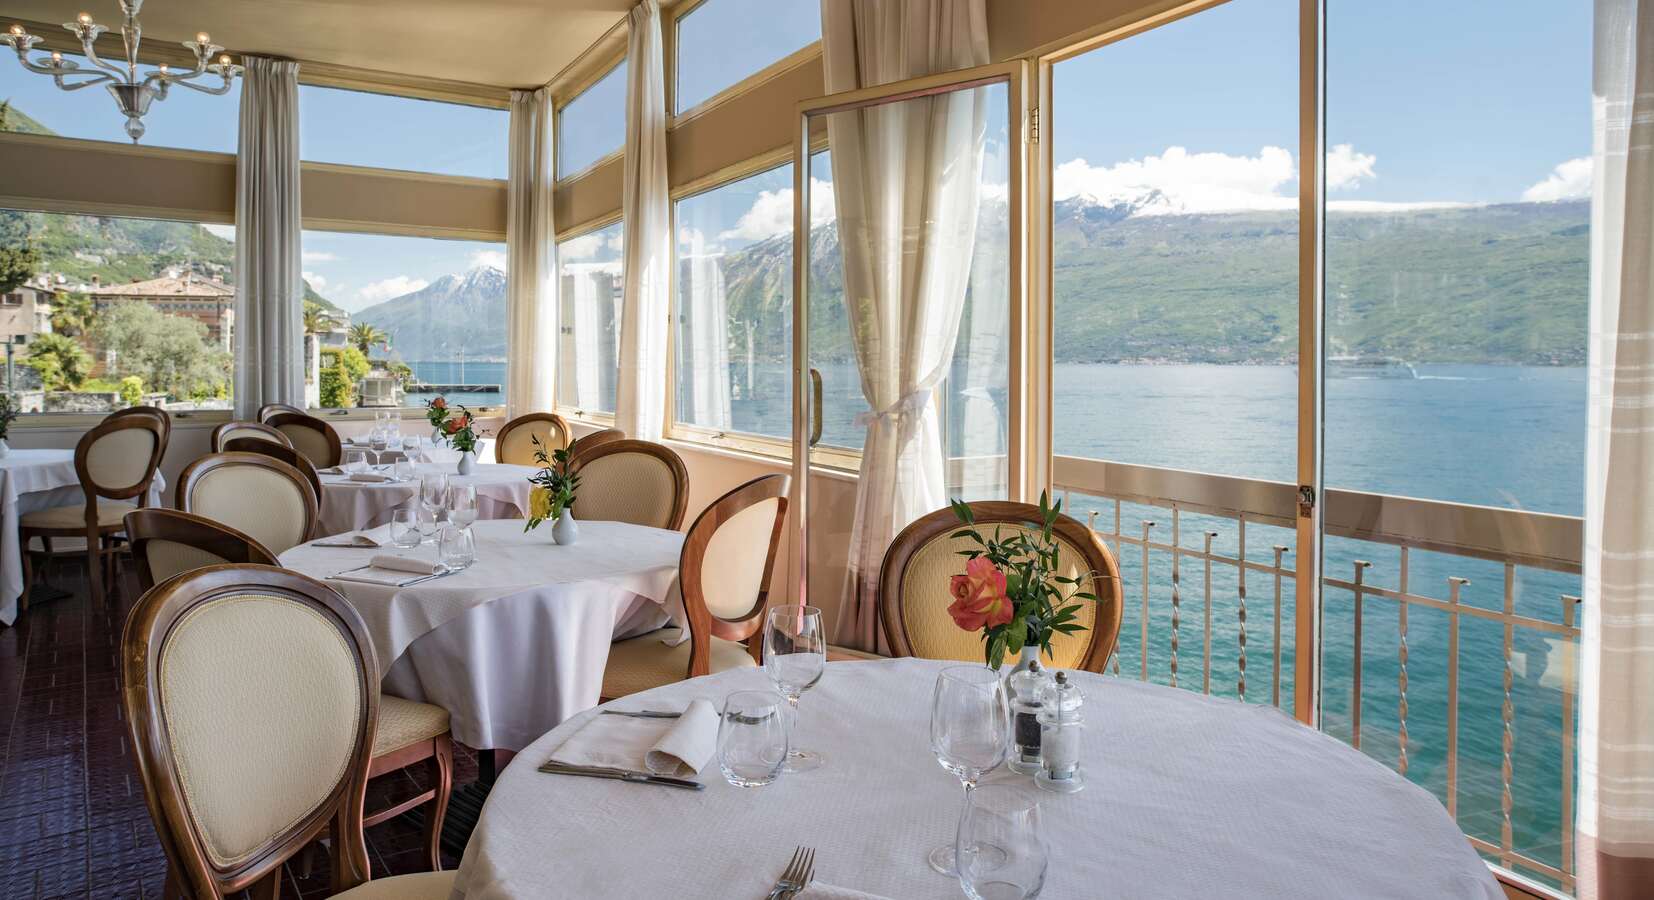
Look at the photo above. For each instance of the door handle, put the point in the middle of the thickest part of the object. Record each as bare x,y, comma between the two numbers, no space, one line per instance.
815,406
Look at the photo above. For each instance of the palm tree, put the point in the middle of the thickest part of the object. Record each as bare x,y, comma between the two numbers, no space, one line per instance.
314,321
364,336
72,314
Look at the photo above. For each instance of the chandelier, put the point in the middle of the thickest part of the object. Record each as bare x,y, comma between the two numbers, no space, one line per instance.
133,91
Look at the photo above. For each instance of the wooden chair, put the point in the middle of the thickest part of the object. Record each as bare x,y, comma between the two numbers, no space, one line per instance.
167,542
311,436
640,482
229,431
724,574
914,598
271,409
157,412
579,445
514,445
115,461
283,452
262,497
252,699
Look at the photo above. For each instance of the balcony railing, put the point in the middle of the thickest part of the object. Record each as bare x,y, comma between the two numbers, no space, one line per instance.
1468,692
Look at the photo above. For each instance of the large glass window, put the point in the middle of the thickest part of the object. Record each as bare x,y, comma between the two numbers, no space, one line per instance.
100,313
389,132
393,321
592,125
733,311
186,119
588,353
721,42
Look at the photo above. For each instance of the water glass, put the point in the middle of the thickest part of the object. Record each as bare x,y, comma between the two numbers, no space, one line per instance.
403,469
433,497
405,526
458,548
752,737
355,461
970,729
795,655
376,442
410,448
462,504
1000,848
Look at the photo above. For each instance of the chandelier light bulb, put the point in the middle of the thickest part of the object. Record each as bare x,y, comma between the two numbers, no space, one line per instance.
224,60
84,18
164,68
57,56
17,30
203,39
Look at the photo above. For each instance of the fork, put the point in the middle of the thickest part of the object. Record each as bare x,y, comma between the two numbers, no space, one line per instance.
797,875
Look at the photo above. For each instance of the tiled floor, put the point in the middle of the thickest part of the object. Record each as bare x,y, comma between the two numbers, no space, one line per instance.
72,815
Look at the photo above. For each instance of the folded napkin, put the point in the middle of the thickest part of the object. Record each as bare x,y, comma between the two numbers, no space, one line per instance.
370,478
391,570
331,470
414,564
681,746
818,891
351,539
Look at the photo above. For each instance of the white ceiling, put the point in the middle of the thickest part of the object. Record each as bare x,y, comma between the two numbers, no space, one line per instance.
509,43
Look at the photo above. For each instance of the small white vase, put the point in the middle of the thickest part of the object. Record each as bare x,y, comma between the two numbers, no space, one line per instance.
436,437
467,462
4,449
565,532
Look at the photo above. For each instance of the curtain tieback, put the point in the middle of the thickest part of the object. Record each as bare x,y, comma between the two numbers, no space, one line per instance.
912,404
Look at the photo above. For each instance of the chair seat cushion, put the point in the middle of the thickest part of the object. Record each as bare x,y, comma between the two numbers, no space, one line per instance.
403,722
110,512
646,662
419,886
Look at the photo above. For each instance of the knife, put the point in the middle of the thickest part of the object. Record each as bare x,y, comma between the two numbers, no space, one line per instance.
643,713
552,768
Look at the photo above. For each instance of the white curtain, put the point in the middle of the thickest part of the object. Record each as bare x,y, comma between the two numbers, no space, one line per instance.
906,180
703,338
269,329
531,252
1615,850
640,402
582,331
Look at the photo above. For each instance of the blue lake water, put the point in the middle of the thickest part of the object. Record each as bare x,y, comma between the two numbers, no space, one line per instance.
460,373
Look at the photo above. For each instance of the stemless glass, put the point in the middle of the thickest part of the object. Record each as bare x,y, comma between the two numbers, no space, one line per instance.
405,526
458,548
795,655
355,461
410,448
752,737
970,725
433,496
402,469
462,504
1004,817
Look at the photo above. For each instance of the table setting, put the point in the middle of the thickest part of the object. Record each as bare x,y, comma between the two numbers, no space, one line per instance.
359,495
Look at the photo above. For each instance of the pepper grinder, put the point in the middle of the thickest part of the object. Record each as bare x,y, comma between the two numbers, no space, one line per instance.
1060,724
1027,689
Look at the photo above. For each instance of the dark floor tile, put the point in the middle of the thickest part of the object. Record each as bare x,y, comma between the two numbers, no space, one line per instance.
46,867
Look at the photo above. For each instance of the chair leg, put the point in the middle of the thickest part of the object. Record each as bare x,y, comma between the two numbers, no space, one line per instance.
51,557
28,574
441,765
94,566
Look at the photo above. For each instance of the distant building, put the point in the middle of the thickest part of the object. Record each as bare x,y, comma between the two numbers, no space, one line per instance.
208,301
25,311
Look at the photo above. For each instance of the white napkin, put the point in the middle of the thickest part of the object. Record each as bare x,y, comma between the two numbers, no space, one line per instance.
661,746
818,891
390,570
414,564
370,478
331,470
350,539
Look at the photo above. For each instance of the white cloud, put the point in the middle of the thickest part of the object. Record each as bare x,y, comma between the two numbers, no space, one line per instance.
1570,180
591,244
1345,167
492,259
1178,181
227,232
316,279
772,213
390,287
316,256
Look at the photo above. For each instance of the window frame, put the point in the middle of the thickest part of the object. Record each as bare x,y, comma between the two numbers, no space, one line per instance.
573,414
478,102
578,90
775,69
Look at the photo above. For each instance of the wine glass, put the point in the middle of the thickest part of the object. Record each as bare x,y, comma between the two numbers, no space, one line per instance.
376,442
795,655
433,496
752,738
405,527
410,448
462,504
970,724
1005,817
393,433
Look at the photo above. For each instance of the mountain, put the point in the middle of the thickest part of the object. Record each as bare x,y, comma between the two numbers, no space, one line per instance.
455,315
119,250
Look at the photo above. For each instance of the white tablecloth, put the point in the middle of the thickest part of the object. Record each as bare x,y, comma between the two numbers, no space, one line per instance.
32,480
517,643
1186,797
502,493
433,452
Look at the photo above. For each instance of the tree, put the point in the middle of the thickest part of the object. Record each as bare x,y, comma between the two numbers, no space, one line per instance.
363,336
315,321
334,388
170,353
132,390
19,257
355,364
72,314
63,365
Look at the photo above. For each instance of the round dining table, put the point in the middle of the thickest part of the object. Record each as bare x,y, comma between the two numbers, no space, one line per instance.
351,505
1186,796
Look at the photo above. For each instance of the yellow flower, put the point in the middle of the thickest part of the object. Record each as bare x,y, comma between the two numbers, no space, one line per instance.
539,503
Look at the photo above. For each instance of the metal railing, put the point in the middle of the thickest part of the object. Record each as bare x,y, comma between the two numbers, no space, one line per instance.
1160,522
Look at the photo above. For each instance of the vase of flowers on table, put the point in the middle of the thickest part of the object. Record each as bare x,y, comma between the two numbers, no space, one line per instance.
436,412
8,414
461,433
1013,590
553,494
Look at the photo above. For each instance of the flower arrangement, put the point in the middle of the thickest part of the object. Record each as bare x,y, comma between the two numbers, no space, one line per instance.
1011,590
459,429
8,414
436,412
554,485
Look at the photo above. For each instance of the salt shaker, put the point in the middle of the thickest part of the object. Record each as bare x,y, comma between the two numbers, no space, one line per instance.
1027,688
1060,723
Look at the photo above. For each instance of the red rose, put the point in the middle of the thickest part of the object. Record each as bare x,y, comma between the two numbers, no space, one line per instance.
979,599
439,403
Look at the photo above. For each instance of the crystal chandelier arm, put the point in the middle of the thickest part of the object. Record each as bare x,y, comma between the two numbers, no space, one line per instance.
59,68
217,89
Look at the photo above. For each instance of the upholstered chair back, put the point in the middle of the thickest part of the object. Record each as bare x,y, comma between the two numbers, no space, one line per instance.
276,409
118,458
154,412
282,452
252,700
168,542
639,482
229,431
310,436
728,557
586,443
264,498
918,568
515,442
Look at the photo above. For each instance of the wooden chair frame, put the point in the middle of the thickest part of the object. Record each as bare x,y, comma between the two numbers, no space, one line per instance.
100,561
703,625
271,409
191,870
145,525
195,471
157,412
680,473
335,447
1105,630
556,421
283,452
596,438
218,433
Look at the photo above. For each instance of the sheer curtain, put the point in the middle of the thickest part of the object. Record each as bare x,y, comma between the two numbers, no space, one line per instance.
1615,850
906,186
582,329
703,338
531,253
640,402
269,329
